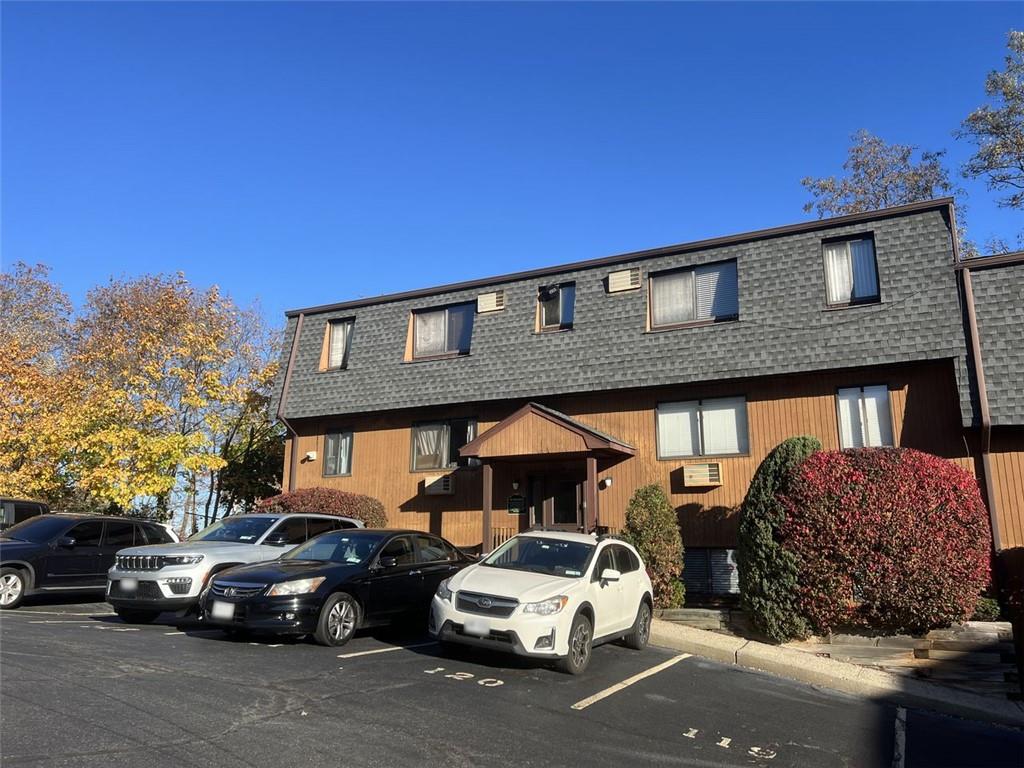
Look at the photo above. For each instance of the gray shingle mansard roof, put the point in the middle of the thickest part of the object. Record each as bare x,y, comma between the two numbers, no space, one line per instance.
999,306
783,326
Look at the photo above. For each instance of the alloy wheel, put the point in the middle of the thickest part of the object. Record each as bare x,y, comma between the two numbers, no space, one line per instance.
645,624
341,621
580,645
10,588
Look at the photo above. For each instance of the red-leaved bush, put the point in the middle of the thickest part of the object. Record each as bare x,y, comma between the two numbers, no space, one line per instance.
328,501
886,538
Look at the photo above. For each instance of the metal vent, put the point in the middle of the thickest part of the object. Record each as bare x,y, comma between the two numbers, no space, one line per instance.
490,302
439,485
624,280
702,475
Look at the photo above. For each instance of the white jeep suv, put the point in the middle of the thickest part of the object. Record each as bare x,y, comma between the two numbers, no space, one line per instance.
548,594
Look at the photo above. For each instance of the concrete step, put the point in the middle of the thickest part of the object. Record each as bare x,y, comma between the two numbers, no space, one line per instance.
979,646
678,614
965,657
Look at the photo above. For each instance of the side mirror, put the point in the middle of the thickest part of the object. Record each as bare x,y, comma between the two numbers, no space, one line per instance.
610,574
67,542
276,540
387,562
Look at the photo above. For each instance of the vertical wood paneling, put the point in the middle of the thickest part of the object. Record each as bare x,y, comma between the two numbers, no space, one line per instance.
1007,461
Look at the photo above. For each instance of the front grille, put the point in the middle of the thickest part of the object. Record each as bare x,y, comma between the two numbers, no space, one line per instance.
487,605
236,589
179,586
146,590
140,562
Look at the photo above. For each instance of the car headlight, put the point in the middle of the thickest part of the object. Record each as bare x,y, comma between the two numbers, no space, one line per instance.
296,587
183,559
443,592
547,607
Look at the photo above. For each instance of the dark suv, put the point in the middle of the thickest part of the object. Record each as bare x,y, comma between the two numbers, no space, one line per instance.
66,553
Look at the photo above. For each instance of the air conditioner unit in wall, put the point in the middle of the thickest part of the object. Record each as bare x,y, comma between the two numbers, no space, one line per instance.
439,485
702,475
624,280
490,302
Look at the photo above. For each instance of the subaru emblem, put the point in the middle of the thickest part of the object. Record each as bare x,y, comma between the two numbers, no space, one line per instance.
484,602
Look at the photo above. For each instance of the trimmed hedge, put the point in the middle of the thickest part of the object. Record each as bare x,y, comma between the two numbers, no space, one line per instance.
653,528
768,573
328,501
885,538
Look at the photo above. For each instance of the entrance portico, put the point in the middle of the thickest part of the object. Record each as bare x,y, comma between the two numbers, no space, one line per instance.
559,460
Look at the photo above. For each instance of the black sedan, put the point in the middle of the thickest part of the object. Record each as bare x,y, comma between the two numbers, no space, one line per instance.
334,584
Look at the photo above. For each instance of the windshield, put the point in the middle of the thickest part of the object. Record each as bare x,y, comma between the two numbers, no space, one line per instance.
37,529
241,529
552,556
338,547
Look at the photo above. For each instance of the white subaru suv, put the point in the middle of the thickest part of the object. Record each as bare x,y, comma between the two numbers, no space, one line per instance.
548,594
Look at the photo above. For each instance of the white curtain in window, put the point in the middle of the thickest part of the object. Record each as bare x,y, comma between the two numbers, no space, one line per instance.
429,444
865,278
716,291
850,433
724,424
338,450
338,343
672,298
877,424
678,429
838,273
429,333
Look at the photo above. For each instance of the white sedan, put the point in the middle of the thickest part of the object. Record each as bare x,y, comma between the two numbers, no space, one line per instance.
548,594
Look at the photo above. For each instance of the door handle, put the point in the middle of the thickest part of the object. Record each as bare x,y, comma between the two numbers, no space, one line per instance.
415,573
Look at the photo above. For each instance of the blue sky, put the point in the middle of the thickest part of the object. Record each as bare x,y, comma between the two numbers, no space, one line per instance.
307,153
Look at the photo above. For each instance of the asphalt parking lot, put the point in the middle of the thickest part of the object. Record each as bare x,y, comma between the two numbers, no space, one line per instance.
78,687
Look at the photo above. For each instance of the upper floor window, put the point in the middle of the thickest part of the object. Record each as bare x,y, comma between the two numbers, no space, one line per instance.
435,445
337,453
702,427
556,305
339,335
701,294
851,275
864,418
441,332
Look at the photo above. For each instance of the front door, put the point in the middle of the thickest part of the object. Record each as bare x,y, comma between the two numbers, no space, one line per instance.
78,563
563,505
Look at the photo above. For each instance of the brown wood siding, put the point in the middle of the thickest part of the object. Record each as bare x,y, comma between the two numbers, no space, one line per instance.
1007,461
532,435
924,407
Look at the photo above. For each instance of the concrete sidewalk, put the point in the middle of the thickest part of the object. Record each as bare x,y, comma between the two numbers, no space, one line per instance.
837,675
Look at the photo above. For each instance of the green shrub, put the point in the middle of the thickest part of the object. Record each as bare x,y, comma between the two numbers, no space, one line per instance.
986,609
768,573
653,528
328,501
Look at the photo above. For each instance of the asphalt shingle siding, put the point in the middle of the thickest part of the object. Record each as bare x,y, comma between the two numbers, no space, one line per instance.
783,327
999,306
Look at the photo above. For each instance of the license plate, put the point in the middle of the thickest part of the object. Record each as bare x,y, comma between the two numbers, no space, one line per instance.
129,585
222,610
477,627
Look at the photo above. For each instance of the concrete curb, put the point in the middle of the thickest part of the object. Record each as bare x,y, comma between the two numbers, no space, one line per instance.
837,675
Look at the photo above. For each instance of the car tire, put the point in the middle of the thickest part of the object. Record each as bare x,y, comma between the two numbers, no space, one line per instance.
12,588
641,632
581,639
131,616
339,620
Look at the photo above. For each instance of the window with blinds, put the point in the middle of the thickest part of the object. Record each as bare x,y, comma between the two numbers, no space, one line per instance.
337,454
851,274
706,293
702,427
339,336
442,332
864,417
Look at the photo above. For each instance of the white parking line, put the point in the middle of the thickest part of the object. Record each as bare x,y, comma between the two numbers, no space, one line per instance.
174,633
584,703
389,649
53,621
54,613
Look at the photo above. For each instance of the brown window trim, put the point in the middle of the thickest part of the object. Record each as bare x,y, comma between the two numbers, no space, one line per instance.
432,358
710,457
693,324
323,449
545,331
873,302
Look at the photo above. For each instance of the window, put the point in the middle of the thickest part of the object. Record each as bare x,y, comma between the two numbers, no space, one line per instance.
440,332
156,534
851,275
702,427
701,294
431,550
119,535
605,560
556,304
401,549
293,529
317,525
626,560
864,419
337,454
87,534
339,338
436,445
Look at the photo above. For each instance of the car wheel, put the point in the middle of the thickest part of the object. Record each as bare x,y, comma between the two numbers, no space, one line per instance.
130,616
641,633
12,587
581,636
339,619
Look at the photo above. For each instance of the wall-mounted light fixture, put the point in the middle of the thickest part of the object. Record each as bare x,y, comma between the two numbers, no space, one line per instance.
605,484
310,456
